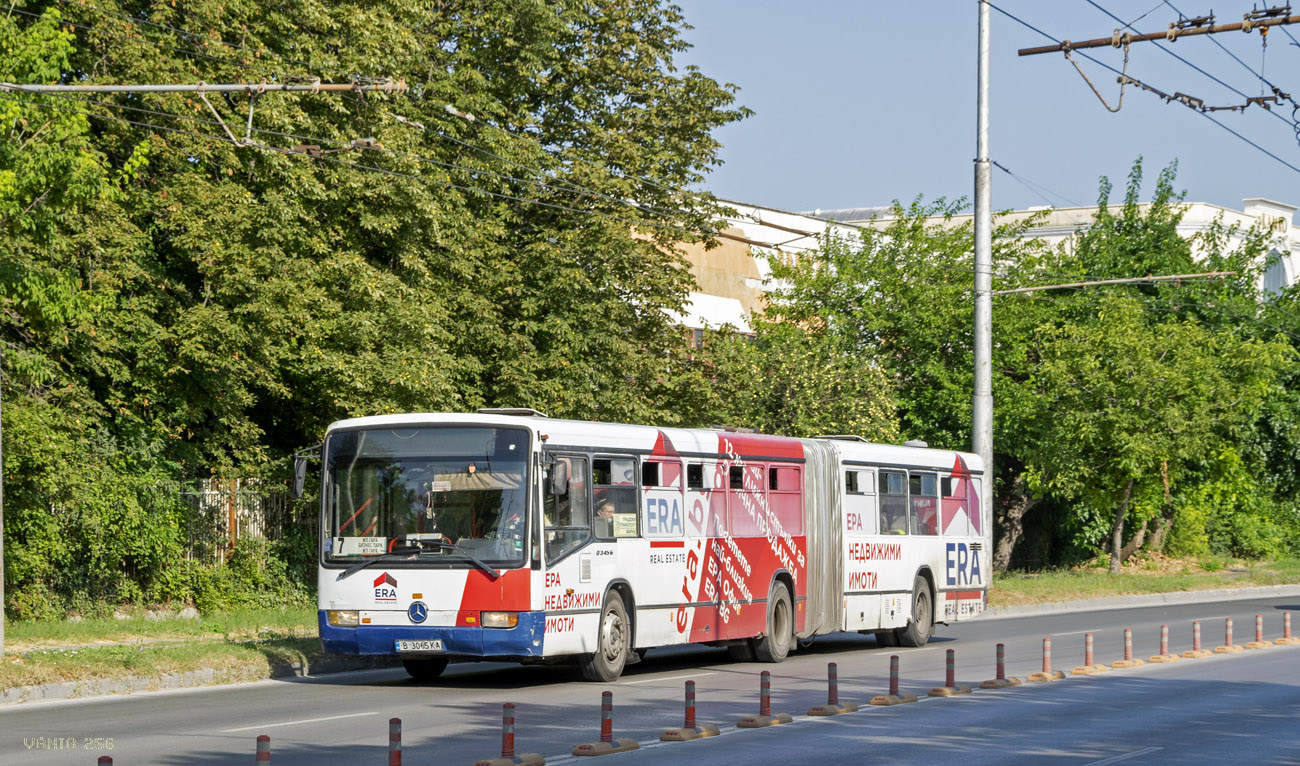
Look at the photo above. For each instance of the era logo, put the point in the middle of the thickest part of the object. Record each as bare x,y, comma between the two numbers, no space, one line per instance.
385,587
963,565
552,579
854,522
662,518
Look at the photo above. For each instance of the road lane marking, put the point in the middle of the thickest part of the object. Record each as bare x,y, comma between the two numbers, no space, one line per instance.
294,723
1125,757
1079,632
669,678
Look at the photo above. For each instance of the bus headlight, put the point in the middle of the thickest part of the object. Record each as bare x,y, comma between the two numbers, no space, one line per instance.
500,619
343,618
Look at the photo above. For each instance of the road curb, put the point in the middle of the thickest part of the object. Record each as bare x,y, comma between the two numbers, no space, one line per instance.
66,690
1150,599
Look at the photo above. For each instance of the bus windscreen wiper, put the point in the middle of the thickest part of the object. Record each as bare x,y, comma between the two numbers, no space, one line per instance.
475,560
404,551
420,546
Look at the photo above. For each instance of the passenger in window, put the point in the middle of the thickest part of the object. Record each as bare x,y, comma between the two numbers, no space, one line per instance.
604,517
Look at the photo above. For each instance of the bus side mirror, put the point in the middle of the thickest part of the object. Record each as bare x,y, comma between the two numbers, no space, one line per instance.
560,478
299,477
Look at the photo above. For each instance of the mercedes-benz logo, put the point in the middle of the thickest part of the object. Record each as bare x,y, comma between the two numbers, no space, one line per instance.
417,611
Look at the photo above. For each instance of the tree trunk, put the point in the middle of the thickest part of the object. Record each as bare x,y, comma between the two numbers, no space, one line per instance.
1163,525
1134,544
1117,532
1010,519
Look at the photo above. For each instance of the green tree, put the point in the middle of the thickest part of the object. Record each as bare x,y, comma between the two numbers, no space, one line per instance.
179,305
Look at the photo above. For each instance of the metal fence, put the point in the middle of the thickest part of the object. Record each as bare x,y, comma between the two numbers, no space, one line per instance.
224,511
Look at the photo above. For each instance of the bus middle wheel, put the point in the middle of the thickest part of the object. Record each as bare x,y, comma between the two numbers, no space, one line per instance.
775,645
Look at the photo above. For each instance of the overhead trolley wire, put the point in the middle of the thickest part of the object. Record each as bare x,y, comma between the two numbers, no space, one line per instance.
1116,71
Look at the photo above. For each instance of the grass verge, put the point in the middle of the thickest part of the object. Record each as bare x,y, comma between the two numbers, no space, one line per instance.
233,661
147,627
1017,589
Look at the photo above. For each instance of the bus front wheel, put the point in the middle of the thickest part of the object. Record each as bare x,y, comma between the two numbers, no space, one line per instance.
426,669
612,640
774,646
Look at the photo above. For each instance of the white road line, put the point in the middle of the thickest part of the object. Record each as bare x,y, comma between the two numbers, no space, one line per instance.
1125,757
671,678
294,723
668,678
1079,632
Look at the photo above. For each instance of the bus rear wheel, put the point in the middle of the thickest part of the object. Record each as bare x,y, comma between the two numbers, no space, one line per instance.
774,646
921,626
425,669
612,641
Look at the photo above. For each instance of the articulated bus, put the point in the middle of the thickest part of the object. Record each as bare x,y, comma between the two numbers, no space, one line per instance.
507,535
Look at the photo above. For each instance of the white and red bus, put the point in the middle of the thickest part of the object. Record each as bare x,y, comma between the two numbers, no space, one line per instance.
508,535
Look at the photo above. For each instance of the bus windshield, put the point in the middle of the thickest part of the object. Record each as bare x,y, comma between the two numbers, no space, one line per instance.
442,495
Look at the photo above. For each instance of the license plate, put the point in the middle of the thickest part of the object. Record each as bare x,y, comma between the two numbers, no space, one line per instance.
433,645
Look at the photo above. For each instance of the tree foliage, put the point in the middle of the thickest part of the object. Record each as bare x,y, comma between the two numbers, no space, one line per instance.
177,305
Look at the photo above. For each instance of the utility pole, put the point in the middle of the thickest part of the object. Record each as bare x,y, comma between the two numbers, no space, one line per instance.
982,404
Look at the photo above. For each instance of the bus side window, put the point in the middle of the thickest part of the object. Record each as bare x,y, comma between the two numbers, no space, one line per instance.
614,497
956,511
695,476
785,497
663,512
924,504
893,503
745,501
565,519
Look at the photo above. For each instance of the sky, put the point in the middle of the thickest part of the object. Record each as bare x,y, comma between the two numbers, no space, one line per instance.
862,103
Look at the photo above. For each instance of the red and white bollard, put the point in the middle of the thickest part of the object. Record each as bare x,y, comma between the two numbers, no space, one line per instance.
950,687
263,749
832,706
607,717
690,705
1047,673
1128,661
1228,647
1164,655
607,743
689,730
394,742
1286,638
1196,650
508,730
1259,642
765,716
508,757
893,698
1001,681
1088,667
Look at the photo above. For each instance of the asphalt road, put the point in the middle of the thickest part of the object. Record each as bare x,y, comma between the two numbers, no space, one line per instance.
1240,707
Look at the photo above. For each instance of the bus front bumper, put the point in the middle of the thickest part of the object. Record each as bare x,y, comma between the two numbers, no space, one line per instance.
523,640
